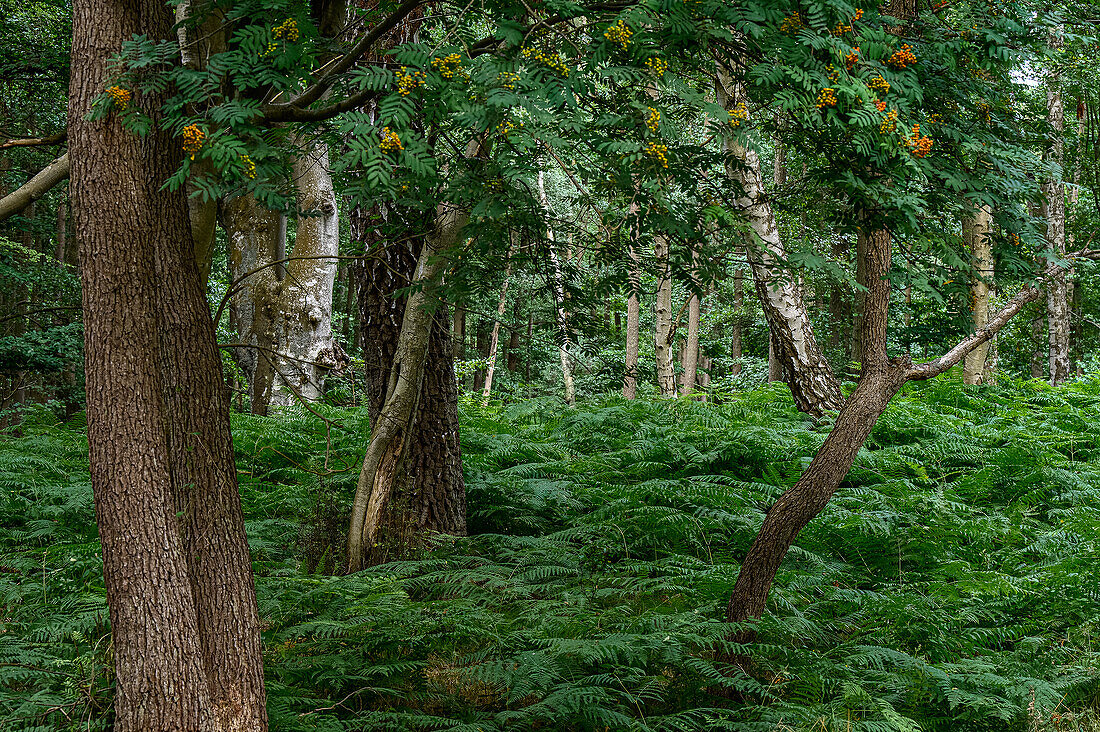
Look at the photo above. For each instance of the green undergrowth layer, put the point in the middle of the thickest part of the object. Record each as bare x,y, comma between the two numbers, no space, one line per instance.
951,584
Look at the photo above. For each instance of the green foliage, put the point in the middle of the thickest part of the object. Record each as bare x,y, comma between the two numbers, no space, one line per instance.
950,585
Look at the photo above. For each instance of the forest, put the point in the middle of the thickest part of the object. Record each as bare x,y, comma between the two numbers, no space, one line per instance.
579,365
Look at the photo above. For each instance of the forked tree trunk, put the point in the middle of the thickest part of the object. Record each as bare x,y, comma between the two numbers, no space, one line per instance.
282,310
176,567
811,380
976,235
494,337
1054,191
410,484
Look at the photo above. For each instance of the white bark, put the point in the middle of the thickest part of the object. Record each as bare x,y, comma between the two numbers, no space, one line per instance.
494,338
561,315
662,317
1054,191
633,312
976,233
813,385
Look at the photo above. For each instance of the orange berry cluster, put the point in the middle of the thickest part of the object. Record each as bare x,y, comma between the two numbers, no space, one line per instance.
1014,239
653,119
507,127
508,80
657,65
901,59
658,151
842,27
407,81
554,63
391,142
738,114
249,166
919,145
935,118
852,58
792,23
119,97
826,98
193,138
882,86
450,66
889,122
880,105
288,30
834,75
619,33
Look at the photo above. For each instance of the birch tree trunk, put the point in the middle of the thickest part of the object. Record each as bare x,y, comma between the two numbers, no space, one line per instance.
561,315
976,235
690,362
282,311
662,316
811,380
494,337
633,312
1054,191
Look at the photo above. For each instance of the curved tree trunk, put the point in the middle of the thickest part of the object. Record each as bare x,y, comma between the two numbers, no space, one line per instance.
811,380
411,484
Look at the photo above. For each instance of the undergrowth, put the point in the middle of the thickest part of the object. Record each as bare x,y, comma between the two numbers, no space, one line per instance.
949,585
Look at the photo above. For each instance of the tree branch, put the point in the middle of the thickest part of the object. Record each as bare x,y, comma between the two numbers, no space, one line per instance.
35,141
1030,292
35,188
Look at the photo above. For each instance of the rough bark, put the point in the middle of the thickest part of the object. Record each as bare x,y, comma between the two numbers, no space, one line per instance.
976,236
185,636
411,479
811,380
1054,191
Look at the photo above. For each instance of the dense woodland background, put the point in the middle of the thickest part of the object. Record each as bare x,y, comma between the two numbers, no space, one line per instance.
516,365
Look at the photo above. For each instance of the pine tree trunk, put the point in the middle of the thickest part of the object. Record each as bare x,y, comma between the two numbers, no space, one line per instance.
811,380
183,612
1054,191
411,485
976,235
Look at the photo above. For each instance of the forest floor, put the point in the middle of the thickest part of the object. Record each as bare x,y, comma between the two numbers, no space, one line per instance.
951,584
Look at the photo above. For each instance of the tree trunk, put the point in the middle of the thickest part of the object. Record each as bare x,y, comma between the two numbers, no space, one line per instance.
562,316
879,381
411,483
494,338
811,380
38,186
282,311
662,317
633,314
183,611
690,361
738,320
1054,191
976,235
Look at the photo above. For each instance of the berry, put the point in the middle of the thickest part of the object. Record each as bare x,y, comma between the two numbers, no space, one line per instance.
826,98
193,138
119,97
390,142
619,33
